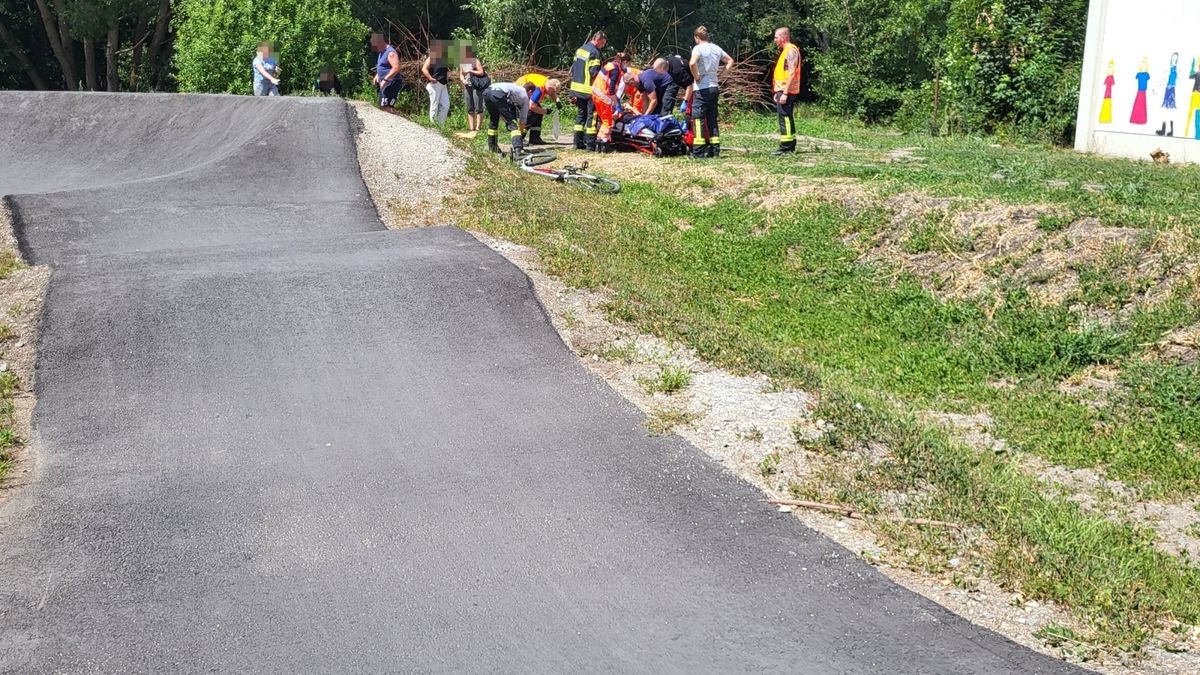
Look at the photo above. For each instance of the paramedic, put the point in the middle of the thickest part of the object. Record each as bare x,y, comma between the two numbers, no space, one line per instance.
707,59
510,102
653,82
542,101
681,80
607,90
584,69
785,87
638,98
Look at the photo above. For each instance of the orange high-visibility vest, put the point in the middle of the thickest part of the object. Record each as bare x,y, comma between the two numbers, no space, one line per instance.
637,99
787,70
601,85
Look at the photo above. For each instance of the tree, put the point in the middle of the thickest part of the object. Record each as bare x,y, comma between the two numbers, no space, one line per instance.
216,40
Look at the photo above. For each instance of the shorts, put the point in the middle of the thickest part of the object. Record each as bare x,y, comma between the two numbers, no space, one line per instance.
389,94
474,100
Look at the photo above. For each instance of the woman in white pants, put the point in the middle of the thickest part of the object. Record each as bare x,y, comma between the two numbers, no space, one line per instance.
436,75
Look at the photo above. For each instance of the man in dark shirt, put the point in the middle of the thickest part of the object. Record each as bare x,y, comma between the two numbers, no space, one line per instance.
681,79
654,82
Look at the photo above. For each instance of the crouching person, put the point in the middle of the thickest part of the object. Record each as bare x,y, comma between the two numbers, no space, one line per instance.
507,101
543,99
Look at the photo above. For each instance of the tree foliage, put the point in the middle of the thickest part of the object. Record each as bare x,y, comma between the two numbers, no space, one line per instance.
216,40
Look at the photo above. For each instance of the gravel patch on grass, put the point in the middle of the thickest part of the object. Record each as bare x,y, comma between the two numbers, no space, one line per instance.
407,168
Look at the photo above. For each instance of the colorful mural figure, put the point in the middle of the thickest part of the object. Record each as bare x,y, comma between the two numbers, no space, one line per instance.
1172,80
1193,118
1139,114
1106,104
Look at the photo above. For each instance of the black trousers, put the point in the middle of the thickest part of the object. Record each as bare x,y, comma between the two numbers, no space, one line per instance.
787,122
585,116
704,120
533,124
670,99
500,108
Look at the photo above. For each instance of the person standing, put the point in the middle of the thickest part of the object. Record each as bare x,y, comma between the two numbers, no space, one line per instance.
437,75
707,59
510,102
474,80
387,73
681,80
583,72
543,99
653,84
266,71
785,87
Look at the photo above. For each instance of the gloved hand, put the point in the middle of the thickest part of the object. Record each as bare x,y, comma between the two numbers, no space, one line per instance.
617,109
683,106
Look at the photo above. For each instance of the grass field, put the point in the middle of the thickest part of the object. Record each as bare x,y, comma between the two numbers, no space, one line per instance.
9,439
777,266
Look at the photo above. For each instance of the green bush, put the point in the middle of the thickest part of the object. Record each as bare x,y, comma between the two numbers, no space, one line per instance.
216,40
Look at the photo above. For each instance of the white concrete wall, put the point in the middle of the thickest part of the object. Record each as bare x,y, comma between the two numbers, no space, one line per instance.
1127,33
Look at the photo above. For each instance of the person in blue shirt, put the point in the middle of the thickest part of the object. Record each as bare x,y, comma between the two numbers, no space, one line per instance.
654,82
266,71
387,73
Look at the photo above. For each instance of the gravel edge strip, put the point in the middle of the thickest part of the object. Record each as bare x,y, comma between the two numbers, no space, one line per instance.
22,296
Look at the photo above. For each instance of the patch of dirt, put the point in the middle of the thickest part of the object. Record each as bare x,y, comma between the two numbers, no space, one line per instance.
407,168
1181,346
707,183
22,293
966,252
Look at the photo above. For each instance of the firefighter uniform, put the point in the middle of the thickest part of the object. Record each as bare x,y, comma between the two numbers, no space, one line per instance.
785,86
583,71
607,89
533,123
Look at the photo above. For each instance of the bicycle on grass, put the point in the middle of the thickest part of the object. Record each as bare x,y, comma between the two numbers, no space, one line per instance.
571,175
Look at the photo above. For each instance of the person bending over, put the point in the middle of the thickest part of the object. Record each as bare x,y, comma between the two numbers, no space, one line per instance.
607,90
507,101
543,99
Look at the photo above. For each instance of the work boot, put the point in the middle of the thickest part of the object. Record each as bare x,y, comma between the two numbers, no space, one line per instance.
493,145
580,141
604,148
784,149
590,141
714,151
535,138
700,152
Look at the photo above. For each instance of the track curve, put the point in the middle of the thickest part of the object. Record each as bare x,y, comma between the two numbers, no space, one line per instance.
274,437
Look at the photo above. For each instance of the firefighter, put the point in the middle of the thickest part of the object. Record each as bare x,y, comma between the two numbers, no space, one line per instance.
542,101
785,87
583,71
507,101
607,90
707,60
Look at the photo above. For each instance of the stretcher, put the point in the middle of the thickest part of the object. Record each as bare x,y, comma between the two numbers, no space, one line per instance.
654,135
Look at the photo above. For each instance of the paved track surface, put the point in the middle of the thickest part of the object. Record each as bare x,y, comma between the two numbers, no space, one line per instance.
274,437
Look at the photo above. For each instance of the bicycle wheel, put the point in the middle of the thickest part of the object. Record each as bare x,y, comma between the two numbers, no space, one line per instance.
538,158
593,183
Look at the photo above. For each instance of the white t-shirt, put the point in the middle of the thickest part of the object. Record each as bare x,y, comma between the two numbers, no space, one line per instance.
708,62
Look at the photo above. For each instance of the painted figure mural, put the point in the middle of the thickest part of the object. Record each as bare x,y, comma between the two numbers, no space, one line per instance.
1106,104
1194,119
1139,114
1172,80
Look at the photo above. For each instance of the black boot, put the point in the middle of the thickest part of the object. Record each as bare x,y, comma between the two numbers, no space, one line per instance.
1172,131
535,138
590,142
580,141
699,152
714,150
1162,131
493,145
603,148
784,149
